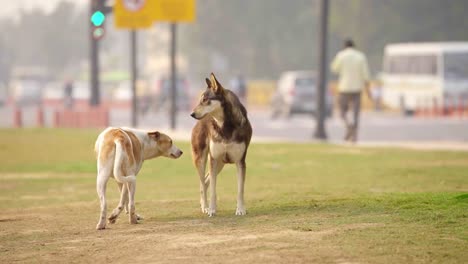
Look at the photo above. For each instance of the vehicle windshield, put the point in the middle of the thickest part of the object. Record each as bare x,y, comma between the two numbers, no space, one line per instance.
456,66
305,84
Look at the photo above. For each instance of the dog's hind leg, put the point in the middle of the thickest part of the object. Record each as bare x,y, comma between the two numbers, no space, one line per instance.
101,190
241,169
123,203
124,193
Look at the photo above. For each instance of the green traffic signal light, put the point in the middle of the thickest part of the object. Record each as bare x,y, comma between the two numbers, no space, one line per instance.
98,18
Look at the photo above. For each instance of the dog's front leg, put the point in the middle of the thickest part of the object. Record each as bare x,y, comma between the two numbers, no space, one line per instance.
241,169
122,203
214,169
131,202
204,183
125,203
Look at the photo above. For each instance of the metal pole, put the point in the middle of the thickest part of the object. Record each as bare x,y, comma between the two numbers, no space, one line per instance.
94,100
173,108
322,71
133,65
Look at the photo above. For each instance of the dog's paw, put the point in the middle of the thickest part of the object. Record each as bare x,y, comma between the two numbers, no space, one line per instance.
101,226
241,211
133,219
113,217
211,212
139,217
205,210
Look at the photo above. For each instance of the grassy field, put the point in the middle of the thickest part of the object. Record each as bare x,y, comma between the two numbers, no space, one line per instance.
305,202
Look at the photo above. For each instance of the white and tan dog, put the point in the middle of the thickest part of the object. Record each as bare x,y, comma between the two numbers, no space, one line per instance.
120,154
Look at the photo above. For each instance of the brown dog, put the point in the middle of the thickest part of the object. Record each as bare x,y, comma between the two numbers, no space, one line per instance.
223,134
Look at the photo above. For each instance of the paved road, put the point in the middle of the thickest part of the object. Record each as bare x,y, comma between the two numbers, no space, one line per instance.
375,127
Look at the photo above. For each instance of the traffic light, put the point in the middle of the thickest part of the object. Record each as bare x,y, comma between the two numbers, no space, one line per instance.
99,10
97,18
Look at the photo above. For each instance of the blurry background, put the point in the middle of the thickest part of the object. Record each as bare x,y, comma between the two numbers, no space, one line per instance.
44,47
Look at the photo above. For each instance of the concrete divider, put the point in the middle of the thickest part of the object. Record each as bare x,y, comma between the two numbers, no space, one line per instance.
85,118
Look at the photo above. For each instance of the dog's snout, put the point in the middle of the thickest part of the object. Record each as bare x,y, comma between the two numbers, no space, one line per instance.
181,152
192,114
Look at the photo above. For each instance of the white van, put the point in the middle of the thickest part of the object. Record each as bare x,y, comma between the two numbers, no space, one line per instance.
419,75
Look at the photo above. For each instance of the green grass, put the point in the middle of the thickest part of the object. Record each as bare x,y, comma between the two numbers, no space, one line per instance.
305,202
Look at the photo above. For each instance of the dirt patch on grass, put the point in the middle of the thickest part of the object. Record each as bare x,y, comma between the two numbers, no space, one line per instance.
53,237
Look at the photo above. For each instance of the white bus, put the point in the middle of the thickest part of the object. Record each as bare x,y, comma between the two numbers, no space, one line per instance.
421,75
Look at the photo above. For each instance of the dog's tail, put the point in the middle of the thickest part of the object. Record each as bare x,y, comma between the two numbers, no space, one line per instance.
118,162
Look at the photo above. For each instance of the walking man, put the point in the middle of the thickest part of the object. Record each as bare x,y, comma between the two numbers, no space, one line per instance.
353,71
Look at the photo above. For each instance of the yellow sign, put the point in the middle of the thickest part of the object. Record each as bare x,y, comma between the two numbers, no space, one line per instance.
137,14
134,14
174,10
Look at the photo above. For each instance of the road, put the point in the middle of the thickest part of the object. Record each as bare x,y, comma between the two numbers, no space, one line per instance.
374,127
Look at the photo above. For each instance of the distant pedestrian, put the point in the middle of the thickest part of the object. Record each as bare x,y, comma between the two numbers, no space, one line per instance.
68,94
353,71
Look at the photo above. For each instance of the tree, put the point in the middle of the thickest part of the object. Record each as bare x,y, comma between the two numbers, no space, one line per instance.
56,41
264,37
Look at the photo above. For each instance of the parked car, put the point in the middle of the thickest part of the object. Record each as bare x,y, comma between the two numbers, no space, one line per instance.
162,94
297,93
27,92
26,85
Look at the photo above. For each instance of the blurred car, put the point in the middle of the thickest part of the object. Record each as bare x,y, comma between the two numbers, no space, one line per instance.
297,93
52,93
26,92
26,85
162,94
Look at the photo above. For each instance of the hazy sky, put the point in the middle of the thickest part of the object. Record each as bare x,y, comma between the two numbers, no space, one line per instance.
10,6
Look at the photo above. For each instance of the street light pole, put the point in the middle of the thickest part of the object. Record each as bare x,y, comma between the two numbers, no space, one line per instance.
133,65
322,71
173,93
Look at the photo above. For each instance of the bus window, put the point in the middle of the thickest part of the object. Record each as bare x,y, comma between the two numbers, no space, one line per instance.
412,65
456,66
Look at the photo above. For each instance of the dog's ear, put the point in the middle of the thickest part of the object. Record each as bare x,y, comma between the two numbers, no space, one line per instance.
154,135
215,85
208,82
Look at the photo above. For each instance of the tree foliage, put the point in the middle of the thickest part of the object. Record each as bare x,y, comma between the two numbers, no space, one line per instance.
261,38
56,41
258,38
